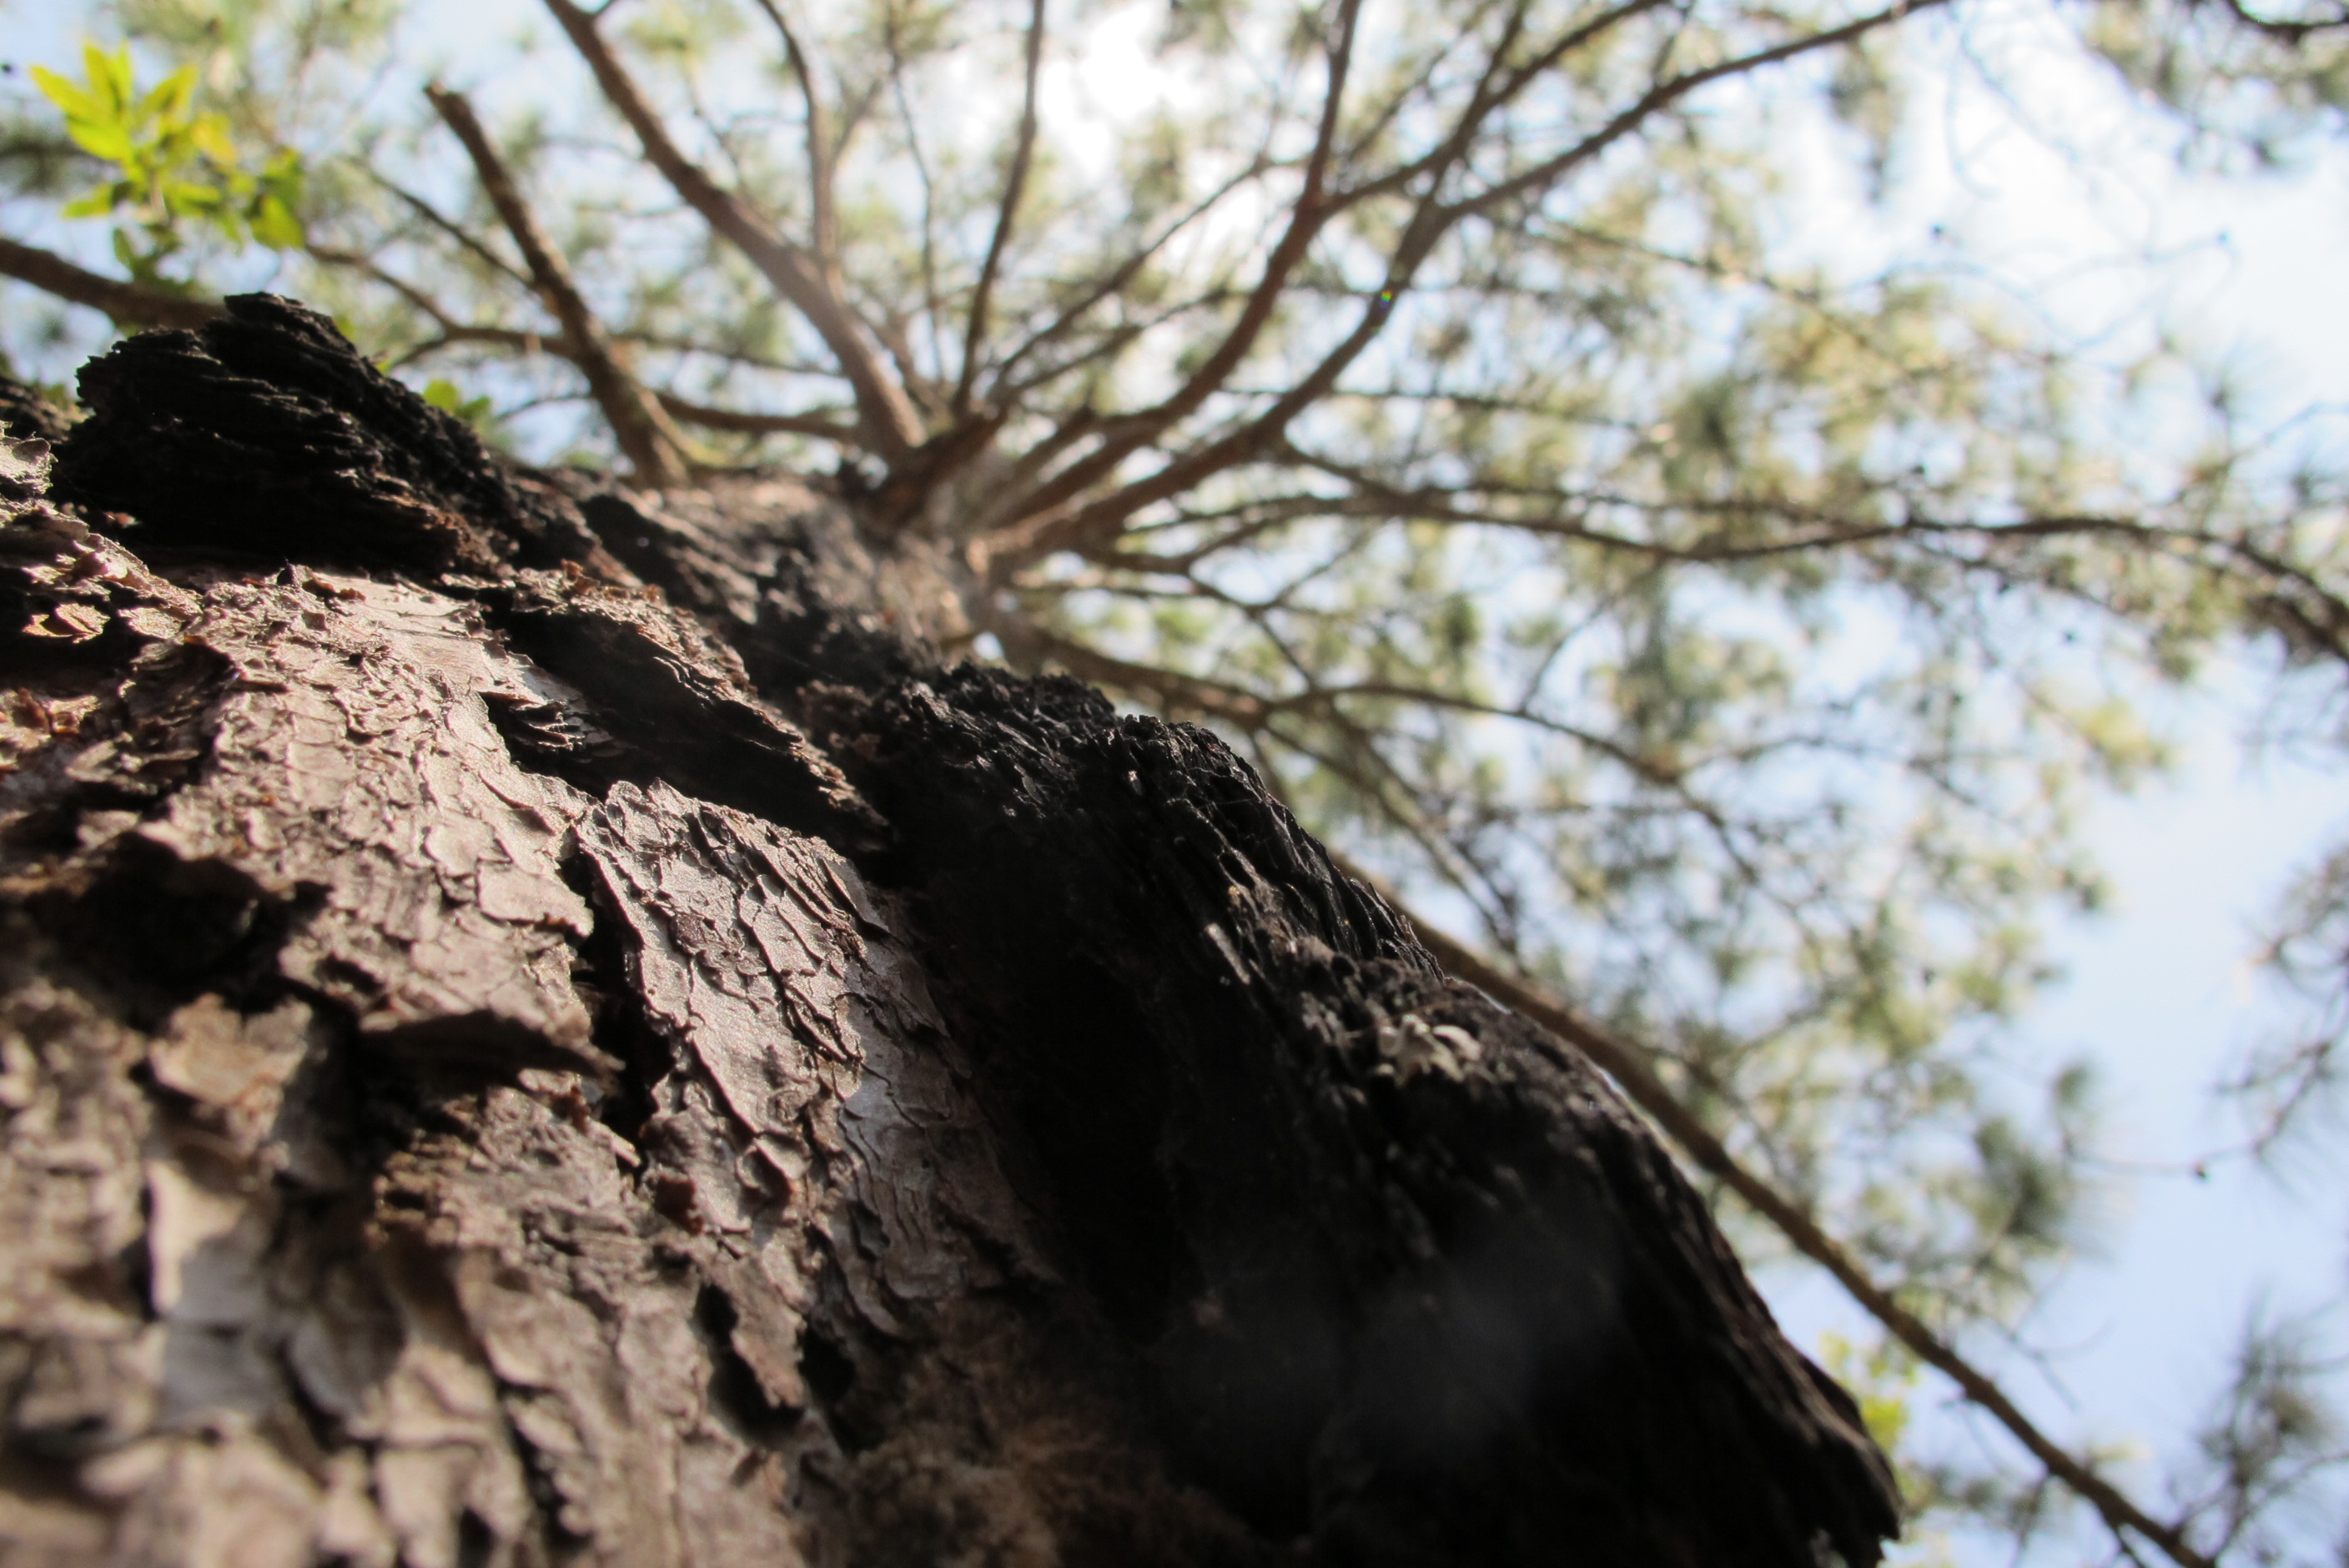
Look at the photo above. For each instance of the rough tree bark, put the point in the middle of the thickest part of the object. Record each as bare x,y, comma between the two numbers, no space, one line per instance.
541,1027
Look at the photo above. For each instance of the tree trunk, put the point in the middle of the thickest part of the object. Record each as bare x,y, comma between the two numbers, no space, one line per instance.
541,1028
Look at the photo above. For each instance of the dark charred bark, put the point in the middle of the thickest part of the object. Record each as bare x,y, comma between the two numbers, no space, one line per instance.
26,415
541,1027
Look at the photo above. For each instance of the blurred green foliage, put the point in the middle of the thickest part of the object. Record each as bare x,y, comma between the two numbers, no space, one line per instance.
175,168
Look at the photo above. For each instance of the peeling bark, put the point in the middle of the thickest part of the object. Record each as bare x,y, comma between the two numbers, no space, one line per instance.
538,1026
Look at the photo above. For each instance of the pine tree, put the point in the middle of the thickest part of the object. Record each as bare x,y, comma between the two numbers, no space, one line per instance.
1427,404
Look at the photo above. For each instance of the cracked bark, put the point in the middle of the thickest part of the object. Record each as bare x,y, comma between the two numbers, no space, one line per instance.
538,1026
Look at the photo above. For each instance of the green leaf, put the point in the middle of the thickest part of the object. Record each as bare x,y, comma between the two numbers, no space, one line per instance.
444,395
210,133
169,100
183,196
77,103
276,226
109,140
118,78
110,75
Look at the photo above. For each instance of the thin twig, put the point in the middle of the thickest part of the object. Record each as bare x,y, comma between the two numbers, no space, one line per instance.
646,438
1014,185
823,227
471,243
827,426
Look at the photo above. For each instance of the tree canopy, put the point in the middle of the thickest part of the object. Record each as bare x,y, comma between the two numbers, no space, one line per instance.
1451,404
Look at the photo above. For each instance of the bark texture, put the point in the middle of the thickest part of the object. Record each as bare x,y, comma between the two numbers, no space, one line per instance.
541,1028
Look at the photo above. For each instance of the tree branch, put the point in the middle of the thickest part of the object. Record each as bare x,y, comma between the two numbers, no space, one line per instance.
1307,214
652,444
417,300
1669,91
1051,521
126,304
1114,280
1492,95
1015,184
883,409
1242,710
823,226
825,424
822,426
470,242
2326,628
